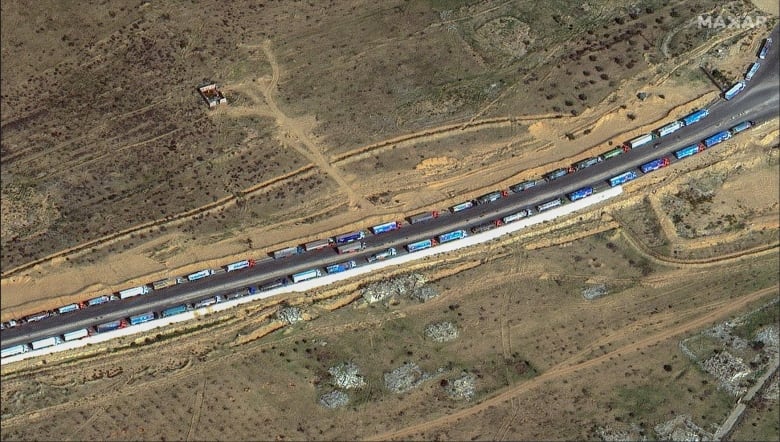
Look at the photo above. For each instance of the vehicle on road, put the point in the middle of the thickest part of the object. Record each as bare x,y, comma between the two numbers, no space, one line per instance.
452,236
669,128
549,205
340,267
140,319
109,326
622,178
15,350
422,217
765,48
743,126
163,283
694,116
135,291
350,237
45,342
716,139
491,197
462,206
580,193
420,245
275,284
287,252
613,153
388,253
351,247
584,164
516,216
173,311
75,335
386,227
245,264
525,185
752,70
734,90
689,150
98,300
200,275
68,308
483,227
654,165
555,174
306,275
640,140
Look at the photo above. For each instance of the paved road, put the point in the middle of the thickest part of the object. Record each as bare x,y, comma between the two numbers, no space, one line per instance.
759,102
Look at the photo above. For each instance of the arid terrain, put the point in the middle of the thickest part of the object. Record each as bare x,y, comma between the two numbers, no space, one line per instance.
116,173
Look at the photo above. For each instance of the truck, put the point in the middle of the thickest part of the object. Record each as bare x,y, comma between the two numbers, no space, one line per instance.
275,284
752,70
549,205
640,141
622,178
734,90
386,227
206,302
135,291
237,294
173,311
419,245
108,326
516,216
76,334
45,342
341,267
162,283
613,153
584,164
141,318
688,151
654,165
306,275
350,237
555,174
199,275
462,206
525,185
245,264
483,227
765,48
452,236
745,125
98,300
716,139
388,253
35,317
694,116
669,128
423,217
351,247
286,252
580,193
490,197
318,244
68,308
13,351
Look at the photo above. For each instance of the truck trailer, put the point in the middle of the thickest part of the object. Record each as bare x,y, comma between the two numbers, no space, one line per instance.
162,283
580,193
286,252
549,205
318,244
351,247
206,302
622,178
141,318
745,125
669,128
98,300
752,70
555,174
734,90
483,227
35,317
688,151
275,284
640,141
76,334
694,116
109,326
199,275
462,206
584,164
68,308
490,197
173,311
245,264
613,153
423,217
386,227
516,216
654,165
525,185
452,236
341,267
765,48
717,138
135,291
419,245
45,342
388,253
13,351
306,275
350,237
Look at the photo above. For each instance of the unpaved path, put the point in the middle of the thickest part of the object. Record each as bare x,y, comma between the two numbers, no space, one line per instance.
306,146
670,328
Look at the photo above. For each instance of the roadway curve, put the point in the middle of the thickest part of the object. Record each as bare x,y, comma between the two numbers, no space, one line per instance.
759,102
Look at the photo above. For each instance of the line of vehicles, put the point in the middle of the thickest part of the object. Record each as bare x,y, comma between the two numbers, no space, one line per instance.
352,242
739,86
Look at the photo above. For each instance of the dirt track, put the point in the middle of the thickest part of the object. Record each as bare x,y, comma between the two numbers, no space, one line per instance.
703,316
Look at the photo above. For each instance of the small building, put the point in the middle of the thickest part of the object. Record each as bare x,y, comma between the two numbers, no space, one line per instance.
212,95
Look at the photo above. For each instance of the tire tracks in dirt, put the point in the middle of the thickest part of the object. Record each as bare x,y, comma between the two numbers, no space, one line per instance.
568,367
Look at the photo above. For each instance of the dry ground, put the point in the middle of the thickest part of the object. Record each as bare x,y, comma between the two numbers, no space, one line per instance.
114,180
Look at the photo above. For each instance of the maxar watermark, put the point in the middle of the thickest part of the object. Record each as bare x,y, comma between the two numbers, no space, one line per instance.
730,21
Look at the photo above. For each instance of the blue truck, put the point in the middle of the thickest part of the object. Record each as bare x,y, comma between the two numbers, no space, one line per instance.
745,125
385,227
173,311
765,48
419,245
341,267
525,185
108,326
622,178
693,149
98,300
549,205
452,236
752,70
580,193
717,138
654,165
694,116
734,90
140,319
